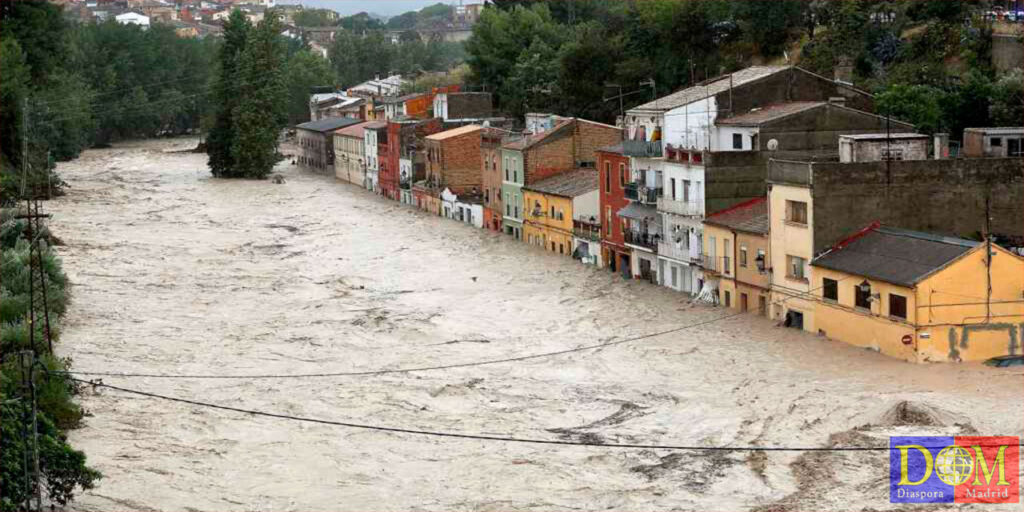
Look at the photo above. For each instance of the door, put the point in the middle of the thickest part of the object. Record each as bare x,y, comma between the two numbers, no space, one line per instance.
743,302
762,305
624,266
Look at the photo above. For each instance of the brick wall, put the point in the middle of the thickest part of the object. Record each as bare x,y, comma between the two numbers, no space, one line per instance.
455,162
611,196
591,136
490,162
551,156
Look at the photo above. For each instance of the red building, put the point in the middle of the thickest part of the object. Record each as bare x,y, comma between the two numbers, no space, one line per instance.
614,174
405,140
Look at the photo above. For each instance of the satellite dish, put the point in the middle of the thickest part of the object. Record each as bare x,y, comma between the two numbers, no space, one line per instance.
773,144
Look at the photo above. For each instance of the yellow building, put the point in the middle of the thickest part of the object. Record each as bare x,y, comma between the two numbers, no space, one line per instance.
553,205
791,228
919,296
735,255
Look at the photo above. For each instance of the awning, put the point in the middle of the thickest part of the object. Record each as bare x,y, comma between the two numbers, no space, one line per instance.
639,211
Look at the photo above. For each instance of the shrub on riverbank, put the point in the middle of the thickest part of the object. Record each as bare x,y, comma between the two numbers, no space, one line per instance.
63,468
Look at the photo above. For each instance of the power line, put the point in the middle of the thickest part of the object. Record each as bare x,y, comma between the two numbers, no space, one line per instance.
404,370
482,437
368,373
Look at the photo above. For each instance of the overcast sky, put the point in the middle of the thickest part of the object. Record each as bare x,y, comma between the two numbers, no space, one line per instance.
384,7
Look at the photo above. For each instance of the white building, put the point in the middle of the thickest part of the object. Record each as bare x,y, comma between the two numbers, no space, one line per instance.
371,133
133,18
405,178
389,86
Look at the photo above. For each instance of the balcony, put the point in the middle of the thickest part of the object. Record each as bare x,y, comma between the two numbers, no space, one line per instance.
405,184
642,148
715,265
689,209
586,230
670,249
637,191
710,264
647,241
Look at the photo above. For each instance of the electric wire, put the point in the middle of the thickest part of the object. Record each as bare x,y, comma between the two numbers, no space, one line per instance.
367,373
504,439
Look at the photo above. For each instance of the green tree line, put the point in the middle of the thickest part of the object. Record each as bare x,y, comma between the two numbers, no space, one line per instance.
927,60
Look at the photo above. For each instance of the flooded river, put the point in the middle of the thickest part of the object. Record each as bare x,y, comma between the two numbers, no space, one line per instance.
177,273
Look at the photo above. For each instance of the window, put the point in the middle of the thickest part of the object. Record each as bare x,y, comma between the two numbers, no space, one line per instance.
892,153
737,141
1013,147
861,298
743,256
830,289
796,212
506,169
607,177
726,252
795,267
672,185
622,175
561,248
686,191
608,220
487,195
897,306
996,142
552,213
561,215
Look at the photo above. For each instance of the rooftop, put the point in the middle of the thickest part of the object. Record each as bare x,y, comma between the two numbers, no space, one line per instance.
898,256
531,140
455,132
617,149
759,116
355,130
883,136
328,124
711,87
567,184
750,216
1001,130
375,125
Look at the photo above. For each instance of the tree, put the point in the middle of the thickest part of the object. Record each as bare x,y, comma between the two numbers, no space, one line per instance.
303,71
220,140
261,113
315,18
1007,107
916,104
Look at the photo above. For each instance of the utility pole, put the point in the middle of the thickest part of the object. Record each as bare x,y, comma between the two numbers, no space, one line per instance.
28,362
988,259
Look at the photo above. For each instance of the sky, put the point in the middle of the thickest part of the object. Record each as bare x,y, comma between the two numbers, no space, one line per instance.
384,7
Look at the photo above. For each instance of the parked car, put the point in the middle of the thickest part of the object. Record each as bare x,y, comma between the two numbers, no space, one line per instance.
1005,361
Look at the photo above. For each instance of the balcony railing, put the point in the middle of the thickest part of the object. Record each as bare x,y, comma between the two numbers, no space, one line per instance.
709,264
646,240
405,184
715,265
669,249
648,195
642,148
586,230
668,205
637,191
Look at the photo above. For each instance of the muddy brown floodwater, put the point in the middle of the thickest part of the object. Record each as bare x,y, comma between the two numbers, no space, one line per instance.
175,272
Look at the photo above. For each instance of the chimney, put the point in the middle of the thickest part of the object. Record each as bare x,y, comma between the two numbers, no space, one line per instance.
941,146
837,100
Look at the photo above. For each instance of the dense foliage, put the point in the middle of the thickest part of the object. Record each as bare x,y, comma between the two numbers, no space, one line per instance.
929,60
249,102
63,469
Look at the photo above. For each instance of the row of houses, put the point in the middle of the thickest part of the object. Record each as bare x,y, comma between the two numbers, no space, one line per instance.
771,190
